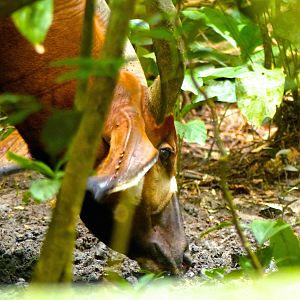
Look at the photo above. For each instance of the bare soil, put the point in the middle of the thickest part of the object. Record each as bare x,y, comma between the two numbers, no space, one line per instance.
256,178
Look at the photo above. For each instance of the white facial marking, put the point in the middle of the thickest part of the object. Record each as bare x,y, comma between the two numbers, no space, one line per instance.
173,185
135,180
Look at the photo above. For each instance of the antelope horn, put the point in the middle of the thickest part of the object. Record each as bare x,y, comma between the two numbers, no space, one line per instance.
132,62
169,56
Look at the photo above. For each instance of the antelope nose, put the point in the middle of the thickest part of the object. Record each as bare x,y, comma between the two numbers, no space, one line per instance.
187,260
175,259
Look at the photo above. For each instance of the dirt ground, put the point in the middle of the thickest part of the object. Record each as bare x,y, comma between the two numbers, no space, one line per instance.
261,188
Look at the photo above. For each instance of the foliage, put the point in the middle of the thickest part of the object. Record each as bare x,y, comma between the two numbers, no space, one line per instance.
278,248
41,189
284,245
33,21
229,50
16,108
192,132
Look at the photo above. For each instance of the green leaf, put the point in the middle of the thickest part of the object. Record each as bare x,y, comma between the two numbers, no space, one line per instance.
44,189
148,61
139,32
192,14
235,28
263,230
227,72
286,247
217,273
249,35
259,93
192,131
33,21
224,90
221,23
141,35
59,130
286,26
265,256
246,264
188,107
201,52
144,281
188,83
17,107
30,164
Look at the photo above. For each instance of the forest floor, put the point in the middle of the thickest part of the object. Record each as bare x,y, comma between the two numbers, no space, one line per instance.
256,176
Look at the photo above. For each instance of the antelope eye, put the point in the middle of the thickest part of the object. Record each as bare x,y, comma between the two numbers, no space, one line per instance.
164,154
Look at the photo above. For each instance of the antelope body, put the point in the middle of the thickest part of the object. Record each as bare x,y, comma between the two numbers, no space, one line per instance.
135,151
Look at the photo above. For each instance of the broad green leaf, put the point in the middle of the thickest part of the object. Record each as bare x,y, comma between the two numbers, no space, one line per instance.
202,52
249,35
235,28
221,23
192,131
30,164
259,93
139,32
17,107
188,83
217,273
263,230
265,256
192,14
188,107
286,26
148,61
286,247
33,21
246,264
227,72
144,281
150,55
59,130
224,90
44,189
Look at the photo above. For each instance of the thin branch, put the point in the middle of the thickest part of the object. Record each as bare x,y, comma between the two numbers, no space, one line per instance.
223,182
226,192
86,50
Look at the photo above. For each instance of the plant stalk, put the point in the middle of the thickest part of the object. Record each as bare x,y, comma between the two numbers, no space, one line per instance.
55,263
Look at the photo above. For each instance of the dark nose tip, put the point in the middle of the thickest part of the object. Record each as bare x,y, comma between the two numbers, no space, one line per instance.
187,260
177,262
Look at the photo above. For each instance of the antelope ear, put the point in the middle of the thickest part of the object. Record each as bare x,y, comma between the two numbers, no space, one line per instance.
130,157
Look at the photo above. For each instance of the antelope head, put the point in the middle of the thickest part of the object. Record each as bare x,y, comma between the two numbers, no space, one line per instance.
137,159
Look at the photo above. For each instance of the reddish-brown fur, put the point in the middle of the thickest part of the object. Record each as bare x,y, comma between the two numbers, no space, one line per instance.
132,137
